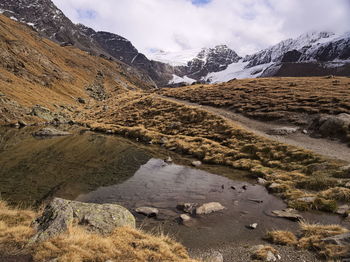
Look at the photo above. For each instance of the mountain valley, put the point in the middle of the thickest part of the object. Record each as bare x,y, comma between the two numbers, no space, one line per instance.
208,155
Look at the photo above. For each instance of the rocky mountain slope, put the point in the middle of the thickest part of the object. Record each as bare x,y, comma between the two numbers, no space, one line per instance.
50,22
311,54
41,79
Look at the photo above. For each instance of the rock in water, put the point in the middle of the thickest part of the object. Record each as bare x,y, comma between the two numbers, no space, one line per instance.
49,131
288,213
147,211
60,213
187,207
209,208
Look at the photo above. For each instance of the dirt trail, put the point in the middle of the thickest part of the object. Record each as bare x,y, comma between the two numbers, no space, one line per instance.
325,147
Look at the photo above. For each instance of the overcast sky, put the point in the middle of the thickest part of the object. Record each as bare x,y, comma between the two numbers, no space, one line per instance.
174,25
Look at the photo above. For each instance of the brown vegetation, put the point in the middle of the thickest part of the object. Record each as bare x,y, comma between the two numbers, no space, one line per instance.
272,98
311,238
124,244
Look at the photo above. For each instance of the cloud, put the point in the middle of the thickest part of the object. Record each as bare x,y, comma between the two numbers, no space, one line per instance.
174,25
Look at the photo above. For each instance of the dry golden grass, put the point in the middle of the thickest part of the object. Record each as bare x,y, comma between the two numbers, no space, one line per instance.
311,238
124,244
272,98
280,237
337,193
262,253
15,228
312,235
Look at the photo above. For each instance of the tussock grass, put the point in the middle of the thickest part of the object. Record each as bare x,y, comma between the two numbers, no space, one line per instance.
15,228
280,237
337,193
272,98
262,253
311,238
312,235
124,244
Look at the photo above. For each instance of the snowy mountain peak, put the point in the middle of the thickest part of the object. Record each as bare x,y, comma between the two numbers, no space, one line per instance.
275,53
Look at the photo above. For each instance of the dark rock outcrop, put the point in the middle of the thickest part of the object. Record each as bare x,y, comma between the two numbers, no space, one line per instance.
210,60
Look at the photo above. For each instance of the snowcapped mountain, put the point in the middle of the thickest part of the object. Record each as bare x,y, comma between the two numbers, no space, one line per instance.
275,53
198,66
311,54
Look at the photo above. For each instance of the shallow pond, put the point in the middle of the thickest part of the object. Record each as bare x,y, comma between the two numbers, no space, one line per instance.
98,168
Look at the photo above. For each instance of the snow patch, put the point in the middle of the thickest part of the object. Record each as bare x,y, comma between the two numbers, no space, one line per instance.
177,80
237,70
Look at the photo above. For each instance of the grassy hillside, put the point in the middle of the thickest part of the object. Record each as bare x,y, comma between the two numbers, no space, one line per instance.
273,98
37,71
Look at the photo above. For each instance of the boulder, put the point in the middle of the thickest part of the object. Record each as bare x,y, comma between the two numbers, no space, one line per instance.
263,252
282,131
208,208
168,160
187,207
185,218
42,112
274,187
343,210
288,213
214,256
262,181
49,131
59,215
196,163
147,211
332,126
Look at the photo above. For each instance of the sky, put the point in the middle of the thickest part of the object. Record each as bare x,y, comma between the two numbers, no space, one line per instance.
175,25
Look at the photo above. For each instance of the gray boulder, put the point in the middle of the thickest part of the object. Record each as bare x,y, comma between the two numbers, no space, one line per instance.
189,208
213,256
332,126
49,131
147,211
196,163
208,208
59,214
